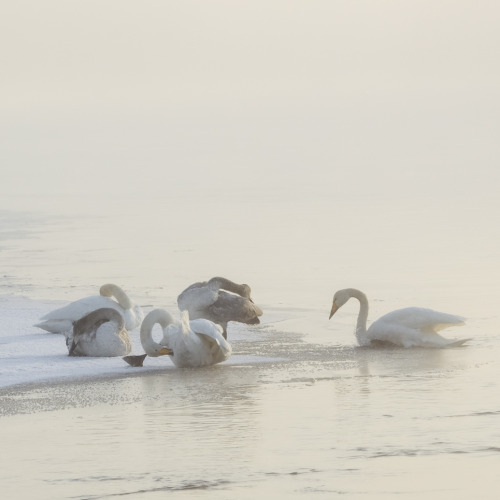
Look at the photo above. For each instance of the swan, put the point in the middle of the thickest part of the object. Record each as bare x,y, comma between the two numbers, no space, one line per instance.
194,343
61,320
409,327
100,333
220,301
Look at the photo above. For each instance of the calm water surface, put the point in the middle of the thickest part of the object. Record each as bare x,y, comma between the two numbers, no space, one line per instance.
300,148
310,415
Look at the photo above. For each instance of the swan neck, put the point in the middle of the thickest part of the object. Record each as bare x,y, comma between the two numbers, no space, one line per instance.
363,313
111,290
95,319
150,346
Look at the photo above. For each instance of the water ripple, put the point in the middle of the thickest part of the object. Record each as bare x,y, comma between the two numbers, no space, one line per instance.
188,485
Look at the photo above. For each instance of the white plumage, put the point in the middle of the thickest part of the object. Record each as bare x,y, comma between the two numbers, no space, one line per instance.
100,333
409,327
194,343
61,320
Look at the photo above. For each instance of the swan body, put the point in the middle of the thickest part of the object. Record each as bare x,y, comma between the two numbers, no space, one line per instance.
61,320
194,343
408,327
100,333
220,300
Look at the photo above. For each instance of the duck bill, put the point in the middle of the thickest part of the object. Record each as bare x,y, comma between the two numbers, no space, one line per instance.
165,351
334,309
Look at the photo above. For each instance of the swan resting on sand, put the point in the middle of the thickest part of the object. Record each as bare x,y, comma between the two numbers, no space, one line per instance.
409,327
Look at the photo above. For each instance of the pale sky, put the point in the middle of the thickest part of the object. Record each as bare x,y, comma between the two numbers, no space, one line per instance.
102,94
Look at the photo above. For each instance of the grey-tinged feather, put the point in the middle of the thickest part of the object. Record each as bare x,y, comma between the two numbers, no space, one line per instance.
84,333
220,300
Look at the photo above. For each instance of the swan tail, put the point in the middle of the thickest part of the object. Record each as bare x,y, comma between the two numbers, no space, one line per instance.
457,343
55,326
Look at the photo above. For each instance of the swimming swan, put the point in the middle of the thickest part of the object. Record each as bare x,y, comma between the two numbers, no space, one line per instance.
100,333
194,343
220,301
61,320
409,327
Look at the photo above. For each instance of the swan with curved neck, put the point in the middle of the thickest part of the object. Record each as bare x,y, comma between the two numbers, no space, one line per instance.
101,333
61,320
112,290
190,343
408,327
150,346
220,300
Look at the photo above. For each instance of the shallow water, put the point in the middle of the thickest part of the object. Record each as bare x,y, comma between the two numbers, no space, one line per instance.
298,411
305,414
326,420
300,150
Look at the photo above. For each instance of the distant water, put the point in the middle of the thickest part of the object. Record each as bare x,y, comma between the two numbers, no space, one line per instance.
323,418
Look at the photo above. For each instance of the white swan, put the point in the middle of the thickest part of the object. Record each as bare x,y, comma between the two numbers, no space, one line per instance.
194,343
100,333
220,301
61,320
409,327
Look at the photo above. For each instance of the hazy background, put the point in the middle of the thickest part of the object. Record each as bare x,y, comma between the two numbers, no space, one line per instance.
298,146
336,96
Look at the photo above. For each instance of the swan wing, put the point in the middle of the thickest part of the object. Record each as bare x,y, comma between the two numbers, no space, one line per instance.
414,327
197,296
99,333
231,307
420,318
79,343
403,336
105,340
220,348
61,320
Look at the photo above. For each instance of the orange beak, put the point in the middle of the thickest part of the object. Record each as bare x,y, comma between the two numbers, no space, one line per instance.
335,308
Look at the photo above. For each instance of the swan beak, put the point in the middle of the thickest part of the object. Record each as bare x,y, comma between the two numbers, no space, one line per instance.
165,351
335,308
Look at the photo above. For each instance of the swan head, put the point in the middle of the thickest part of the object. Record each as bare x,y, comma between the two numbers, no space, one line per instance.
159,351
339,299
247,292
